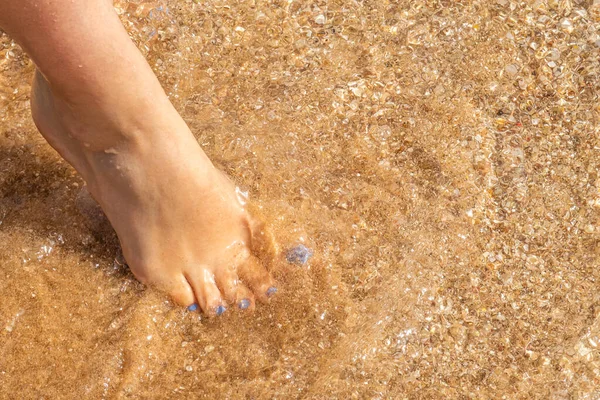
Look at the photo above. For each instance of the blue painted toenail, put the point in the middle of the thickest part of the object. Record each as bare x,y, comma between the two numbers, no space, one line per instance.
244,304
193,307
272,290
220,310
299,255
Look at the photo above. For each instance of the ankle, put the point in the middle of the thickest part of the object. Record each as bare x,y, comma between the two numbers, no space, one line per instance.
104,122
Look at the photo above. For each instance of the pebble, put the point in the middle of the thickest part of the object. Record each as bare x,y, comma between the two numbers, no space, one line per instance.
566,25
589,228
512,69
299,255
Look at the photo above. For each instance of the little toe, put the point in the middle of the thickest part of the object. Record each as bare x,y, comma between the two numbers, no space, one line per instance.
263,241
254,274
207,293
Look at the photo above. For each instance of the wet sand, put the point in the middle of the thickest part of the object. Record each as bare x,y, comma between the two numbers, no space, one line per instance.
440,158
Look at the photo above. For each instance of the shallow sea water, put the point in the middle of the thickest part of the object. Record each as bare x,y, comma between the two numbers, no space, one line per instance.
440,158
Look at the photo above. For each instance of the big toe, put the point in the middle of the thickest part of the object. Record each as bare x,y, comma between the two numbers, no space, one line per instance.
180,291
258,279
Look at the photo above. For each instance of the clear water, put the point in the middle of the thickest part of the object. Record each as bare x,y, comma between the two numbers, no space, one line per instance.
439,158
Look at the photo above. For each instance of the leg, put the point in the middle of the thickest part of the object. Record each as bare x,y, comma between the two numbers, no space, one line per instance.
97,102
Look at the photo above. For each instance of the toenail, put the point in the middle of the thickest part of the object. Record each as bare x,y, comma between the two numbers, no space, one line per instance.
272,290
193,307
244,304
220,310
299,255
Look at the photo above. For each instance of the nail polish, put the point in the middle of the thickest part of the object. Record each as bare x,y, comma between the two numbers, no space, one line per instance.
244,304
220,310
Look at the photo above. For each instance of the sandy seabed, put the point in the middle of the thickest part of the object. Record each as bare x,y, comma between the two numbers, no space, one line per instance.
440,158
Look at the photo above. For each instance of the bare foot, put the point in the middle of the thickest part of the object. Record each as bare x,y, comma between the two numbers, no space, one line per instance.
182,226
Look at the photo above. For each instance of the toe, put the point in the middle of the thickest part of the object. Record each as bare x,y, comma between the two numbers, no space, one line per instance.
227,281
262,240
181,292
234,291
207,293
254,274
245,298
